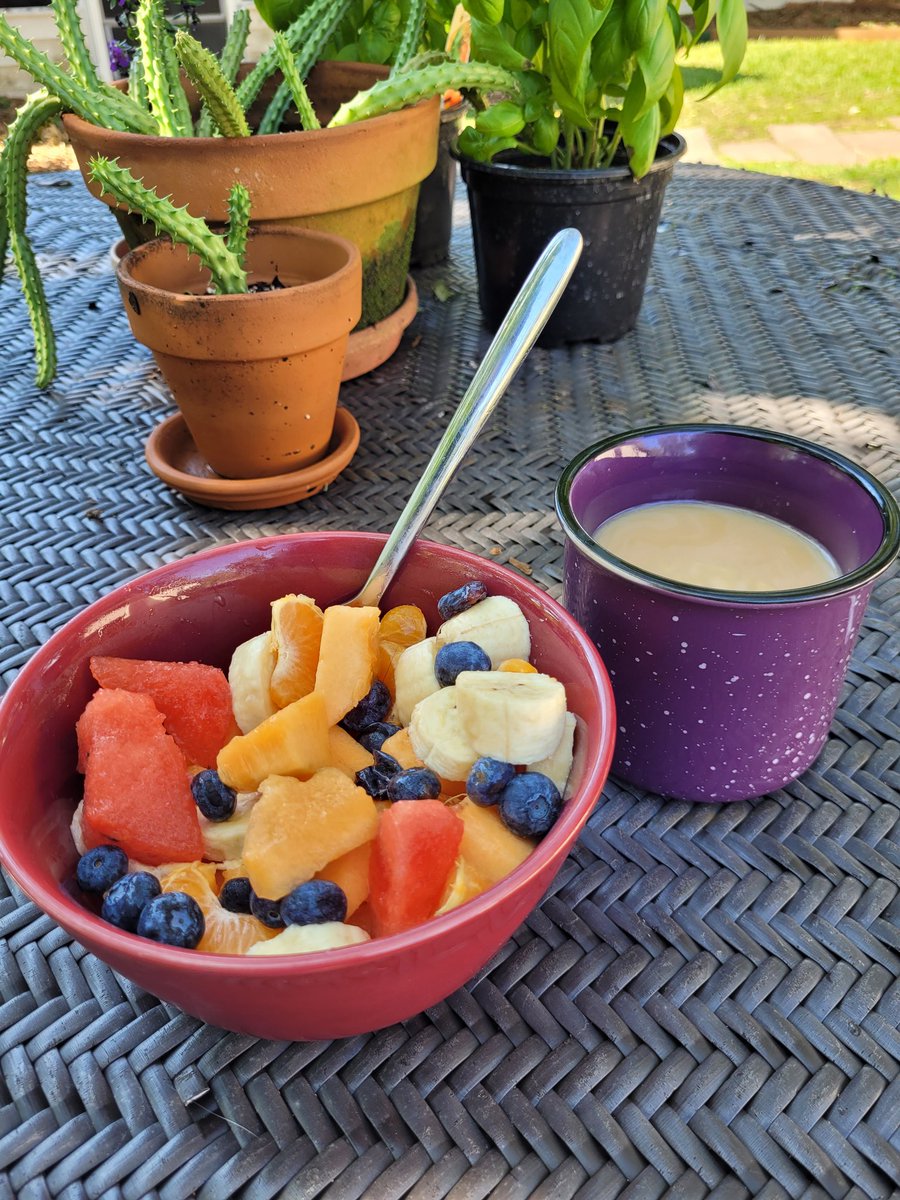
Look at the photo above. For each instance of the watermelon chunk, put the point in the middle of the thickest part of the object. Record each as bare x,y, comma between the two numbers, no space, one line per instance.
195,700
137,793
413,855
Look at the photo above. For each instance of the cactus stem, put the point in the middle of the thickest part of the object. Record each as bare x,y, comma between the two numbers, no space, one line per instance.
203,70
408,87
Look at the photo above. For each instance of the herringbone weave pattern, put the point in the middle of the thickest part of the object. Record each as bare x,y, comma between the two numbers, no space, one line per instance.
707,1002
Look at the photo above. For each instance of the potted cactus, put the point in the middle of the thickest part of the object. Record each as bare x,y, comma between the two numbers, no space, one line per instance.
189,124
249,332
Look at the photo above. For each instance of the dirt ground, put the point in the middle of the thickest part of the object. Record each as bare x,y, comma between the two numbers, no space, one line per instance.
812,15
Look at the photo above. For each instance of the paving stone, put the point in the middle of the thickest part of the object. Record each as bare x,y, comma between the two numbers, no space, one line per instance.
895,121
872,143
756,150
815,144
699,147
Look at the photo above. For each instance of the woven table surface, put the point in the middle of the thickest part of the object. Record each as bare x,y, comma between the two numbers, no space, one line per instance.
707,1001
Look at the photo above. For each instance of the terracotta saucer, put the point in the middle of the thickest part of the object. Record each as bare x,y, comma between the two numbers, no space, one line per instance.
173,457
371,347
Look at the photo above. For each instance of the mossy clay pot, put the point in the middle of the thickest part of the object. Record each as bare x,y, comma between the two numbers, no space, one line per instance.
257,375
360,181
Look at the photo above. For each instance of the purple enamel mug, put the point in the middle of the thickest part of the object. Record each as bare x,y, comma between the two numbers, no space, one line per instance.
722,695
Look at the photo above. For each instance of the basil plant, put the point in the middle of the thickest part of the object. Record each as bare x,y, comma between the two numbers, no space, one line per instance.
597,77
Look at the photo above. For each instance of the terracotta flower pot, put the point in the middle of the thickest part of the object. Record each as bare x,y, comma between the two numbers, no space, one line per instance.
256,376
360,181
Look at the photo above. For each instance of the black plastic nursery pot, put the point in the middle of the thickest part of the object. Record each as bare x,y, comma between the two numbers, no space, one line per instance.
434,211
516,207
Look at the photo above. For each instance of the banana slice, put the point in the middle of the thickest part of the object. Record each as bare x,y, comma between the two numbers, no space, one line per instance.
496,624
514,717
249,676
224,840
307,939
414,678
558,765
436,735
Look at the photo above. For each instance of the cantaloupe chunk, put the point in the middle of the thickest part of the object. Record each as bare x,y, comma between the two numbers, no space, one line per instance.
399,746
488,847
296,828
351,873
293,741
346,752
347,656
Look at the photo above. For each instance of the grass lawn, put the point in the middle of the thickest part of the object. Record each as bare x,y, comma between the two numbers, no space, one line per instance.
847,85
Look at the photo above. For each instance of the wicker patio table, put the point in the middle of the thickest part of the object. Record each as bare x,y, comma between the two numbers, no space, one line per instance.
706,1004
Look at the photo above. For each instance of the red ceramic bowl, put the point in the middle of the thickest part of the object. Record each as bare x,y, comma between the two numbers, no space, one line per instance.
200,608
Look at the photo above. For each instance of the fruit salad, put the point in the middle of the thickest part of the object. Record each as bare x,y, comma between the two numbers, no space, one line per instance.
351,777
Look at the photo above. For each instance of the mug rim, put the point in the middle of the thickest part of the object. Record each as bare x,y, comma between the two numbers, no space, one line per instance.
865,573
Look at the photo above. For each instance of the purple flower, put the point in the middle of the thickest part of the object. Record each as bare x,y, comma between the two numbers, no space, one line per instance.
119,57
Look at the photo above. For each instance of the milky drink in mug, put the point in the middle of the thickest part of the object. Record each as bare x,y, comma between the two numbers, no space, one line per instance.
723,694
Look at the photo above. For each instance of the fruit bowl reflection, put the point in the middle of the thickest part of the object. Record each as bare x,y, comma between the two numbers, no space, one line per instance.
200,608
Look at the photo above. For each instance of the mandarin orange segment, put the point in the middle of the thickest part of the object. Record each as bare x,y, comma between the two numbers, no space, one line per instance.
296,829
297,632
405,624
351,873
518,665
347,656
293,741
226,932
386,663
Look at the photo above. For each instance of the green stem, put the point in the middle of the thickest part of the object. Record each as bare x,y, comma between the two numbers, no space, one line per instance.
228,275
320,17
167,99
400,91
230,61
37,110
137,83
411,35
4,223
203,70
238,221
71,37
299,94
107,108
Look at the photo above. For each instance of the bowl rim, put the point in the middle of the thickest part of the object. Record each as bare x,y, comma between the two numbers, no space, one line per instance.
860,576
80,923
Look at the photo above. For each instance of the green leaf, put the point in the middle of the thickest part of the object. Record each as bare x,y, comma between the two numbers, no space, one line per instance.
376,47
278,14
610,53
488,11
493,44
655,63
704,11
441,291
475,145
573,26
641,138
503,120
545,134
731,29
642,19
671,104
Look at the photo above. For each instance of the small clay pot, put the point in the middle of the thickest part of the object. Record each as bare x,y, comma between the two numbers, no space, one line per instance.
256,376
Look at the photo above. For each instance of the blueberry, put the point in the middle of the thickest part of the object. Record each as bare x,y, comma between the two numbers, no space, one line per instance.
374,707
461,598
126,899
99,869
375,779
456,657
375,736
313,903
235,894
215,799
487,779
267,911
414,783
174,918
530,804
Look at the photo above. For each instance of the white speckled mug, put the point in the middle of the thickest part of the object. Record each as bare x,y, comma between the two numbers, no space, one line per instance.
722,695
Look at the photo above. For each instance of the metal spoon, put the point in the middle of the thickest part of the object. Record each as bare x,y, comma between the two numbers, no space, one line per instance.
521,327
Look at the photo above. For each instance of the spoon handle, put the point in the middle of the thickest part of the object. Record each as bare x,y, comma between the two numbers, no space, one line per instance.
521,327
